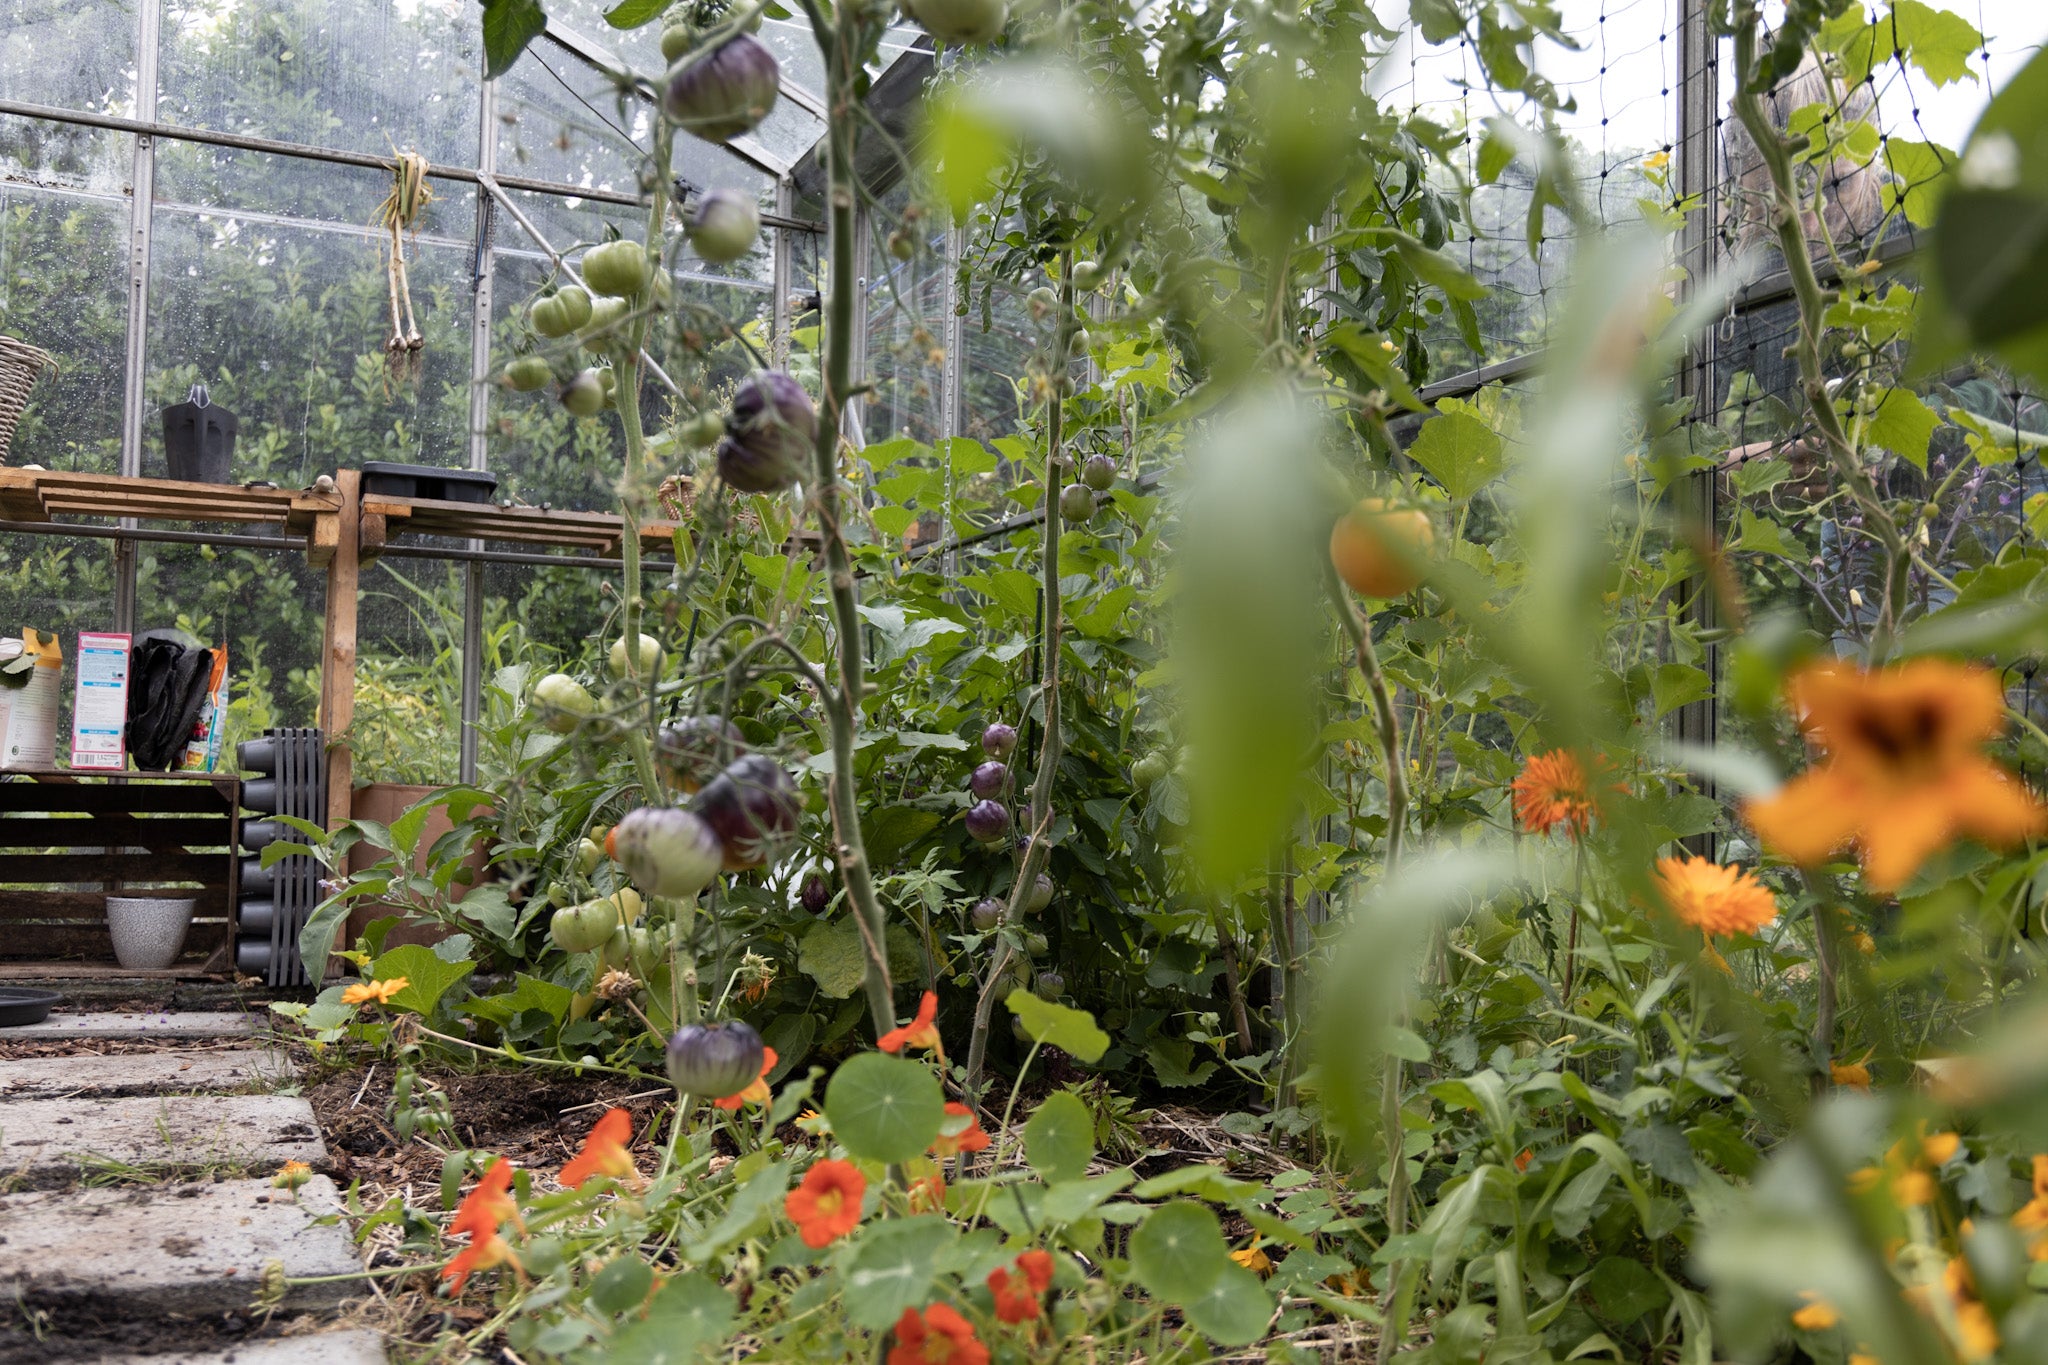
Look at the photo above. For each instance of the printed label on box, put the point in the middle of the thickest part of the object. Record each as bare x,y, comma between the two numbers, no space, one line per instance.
99,712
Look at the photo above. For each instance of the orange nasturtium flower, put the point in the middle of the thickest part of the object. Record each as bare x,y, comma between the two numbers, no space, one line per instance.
969,1137
826,1206
481,1214
1551,791
1017,1286
373,992
940,1337
927,1193
758,1092
1714,899
919,1032
1905,774
1254,1258
1817,1316
604,1152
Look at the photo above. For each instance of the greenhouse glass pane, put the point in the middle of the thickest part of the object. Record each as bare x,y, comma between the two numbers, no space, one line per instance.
63,268
266,606
358,75
407,725
562,120
906,366
205,176
74,54
551,618
287,323
65,156
639,47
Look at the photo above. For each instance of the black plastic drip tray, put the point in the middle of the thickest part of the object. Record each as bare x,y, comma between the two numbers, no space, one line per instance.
387,480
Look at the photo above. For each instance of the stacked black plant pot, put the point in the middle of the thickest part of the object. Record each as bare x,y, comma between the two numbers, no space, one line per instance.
291,768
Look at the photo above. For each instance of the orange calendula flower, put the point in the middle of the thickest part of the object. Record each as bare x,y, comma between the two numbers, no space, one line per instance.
1852,1075
1817,1316
373,992
1523,1158
480,1215
826,1206
1904,774
966,1137
939,1337
1715,899
1552,791
2032,1219
291,1175
919,1032
604,1152
758,1092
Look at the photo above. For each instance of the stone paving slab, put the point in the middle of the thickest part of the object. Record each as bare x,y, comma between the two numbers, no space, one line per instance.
126,1025
122,1254
44,1138
141,1073
321,1348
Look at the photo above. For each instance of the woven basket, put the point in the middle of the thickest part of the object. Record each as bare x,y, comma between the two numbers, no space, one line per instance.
20,366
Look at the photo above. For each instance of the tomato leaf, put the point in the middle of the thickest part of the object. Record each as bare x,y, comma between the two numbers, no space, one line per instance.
509,25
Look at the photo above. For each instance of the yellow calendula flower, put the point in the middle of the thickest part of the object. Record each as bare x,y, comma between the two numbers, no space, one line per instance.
373,992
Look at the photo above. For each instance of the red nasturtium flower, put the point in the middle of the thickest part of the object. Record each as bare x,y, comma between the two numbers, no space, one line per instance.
1017,1287
826,1206
919,1032
1553,791
757,1093
604,1152
1905,773
940,1337
972,1138
481,1214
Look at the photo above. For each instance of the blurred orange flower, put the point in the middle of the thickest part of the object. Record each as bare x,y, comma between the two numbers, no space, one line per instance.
604,1152
2032,1219
1552,791
480,1215
1817,1316
1017,1287
1715,899
940,1337
971,1138
919,1032
758,1092
1904,775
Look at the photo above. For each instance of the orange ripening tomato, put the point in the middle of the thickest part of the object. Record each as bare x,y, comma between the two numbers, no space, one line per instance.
1375,546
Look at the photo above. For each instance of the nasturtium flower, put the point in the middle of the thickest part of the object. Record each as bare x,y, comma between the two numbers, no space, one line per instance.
927,1193
968,1138
1904,774
756,1093
1713,898
920,1032
373,992
939,1337
826,1205
604,1152
1254,1259
1849,1075
1551,791
1018,1286
1817,1316
481,1214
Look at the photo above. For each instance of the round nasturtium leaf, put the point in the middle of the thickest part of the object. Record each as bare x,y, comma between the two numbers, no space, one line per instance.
1178,1252
884,1108
1059,1140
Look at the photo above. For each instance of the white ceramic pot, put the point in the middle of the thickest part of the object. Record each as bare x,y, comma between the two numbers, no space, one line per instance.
149,931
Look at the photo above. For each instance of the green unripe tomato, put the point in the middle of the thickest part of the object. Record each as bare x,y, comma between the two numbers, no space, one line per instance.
617,951
561,312
1150,769
601,329
584,928
1077,503
677,39
565,703
702,430
648,654
528,373
1036,944
1089,276
584,395
589,853
616,269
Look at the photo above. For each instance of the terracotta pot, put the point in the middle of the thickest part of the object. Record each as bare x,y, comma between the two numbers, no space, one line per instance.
384,802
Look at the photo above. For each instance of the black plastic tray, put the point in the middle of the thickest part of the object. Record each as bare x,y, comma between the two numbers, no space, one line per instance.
22,1005
382,478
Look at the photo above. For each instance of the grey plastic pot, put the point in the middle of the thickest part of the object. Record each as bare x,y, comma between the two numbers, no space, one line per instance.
149,931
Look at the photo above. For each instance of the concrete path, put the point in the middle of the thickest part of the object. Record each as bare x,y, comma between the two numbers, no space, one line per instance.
175,1251
132,1026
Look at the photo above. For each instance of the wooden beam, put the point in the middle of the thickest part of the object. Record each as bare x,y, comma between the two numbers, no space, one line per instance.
338,647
